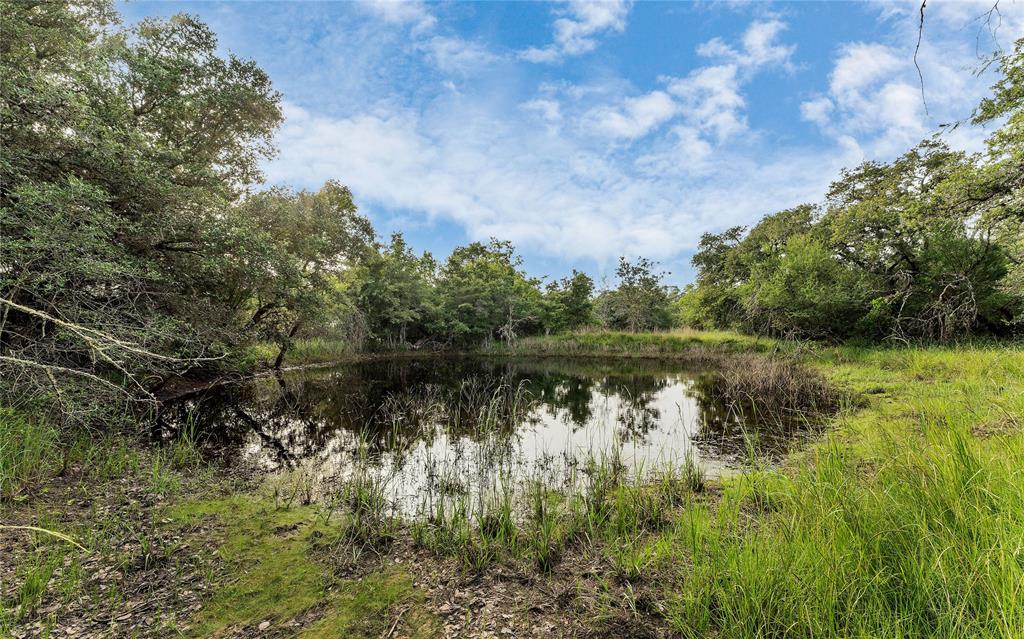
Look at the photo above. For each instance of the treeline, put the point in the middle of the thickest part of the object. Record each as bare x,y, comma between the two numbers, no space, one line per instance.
480,293
929,246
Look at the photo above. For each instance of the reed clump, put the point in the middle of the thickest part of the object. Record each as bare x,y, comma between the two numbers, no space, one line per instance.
776,388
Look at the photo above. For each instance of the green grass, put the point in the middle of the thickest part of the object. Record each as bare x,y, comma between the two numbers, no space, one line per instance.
928,544
305,351
317,350
683,342
272,574
28,452
54,564
366,607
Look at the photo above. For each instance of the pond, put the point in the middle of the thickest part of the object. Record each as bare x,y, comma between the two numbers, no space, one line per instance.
428,427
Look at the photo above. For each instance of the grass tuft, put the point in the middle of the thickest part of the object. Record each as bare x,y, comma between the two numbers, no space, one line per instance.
28,452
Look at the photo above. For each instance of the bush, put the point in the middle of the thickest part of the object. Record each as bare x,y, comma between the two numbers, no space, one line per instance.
805,292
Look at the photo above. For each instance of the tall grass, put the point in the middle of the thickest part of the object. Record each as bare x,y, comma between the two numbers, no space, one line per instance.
918,534
319,350
695,345
28,452
775,389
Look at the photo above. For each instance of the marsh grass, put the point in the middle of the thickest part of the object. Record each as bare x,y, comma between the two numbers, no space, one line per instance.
778,390
692,345
539,518
371,521
185,450
51,553
34,575
315,350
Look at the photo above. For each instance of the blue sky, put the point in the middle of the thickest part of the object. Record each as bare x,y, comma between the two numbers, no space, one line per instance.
585,131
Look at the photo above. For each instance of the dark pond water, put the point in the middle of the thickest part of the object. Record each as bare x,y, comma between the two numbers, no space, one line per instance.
461,425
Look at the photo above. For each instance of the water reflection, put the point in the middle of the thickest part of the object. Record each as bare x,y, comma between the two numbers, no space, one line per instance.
466,423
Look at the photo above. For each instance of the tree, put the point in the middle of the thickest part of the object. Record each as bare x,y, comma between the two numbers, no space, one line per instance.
484,294
802,290
726,261
569,303
930,259
719,273
122,150
286,251
641,302
394,288
997,187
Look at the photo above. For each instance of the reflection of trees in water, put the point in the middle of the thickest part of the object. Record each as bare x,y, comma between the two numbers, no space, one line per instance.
385,406
564,395
271,410
394,404
636,416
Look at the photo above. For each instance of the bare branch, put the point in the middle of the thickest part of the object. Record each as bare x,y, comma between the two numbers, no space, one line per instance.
917,49
90,335
73,371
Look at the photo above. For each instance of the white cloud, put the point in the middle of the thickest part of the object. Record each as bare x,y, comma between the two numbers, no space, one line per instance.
549,193
636,118
401,12
874,96
456,55
575,30
817,110
684,153
860,65
875,91
759,46
991,24
708,98
549,110
711,99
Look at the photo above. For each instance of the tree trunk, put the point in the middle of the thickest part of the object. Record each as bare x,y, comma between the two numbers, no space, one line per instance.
286,345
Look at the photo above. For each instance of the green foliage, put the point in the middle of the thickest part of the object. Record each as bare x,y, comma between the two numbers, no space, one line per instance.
641,302
122,149
394,289
715,303
998,186
485,295
288,251
569,303
802,290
